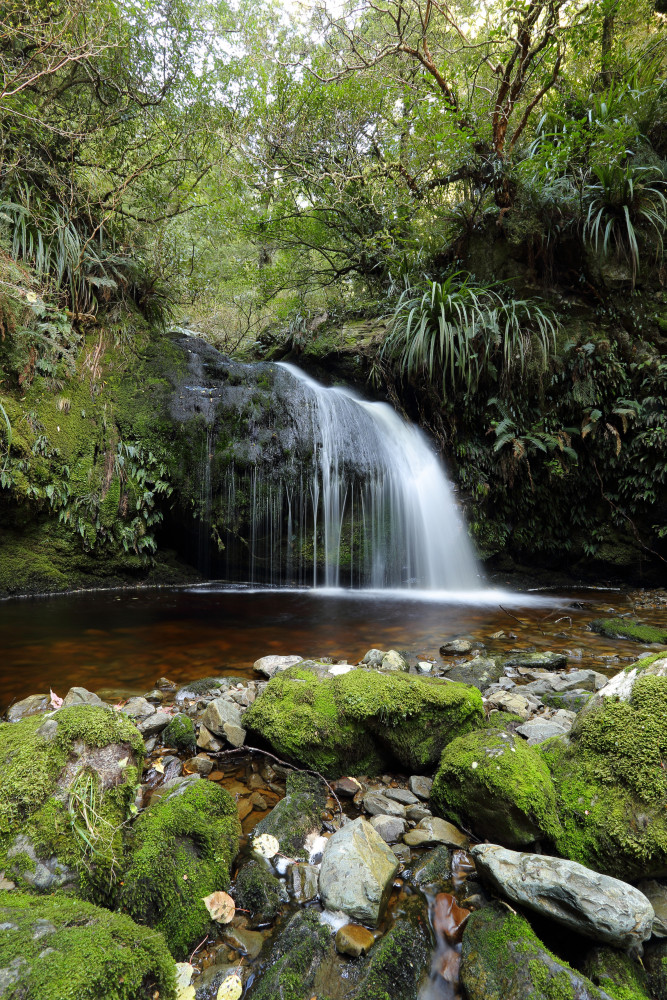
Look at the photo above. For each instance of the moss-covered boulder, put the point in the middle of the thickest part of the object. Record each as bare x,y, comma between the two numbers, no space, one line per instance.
493,783
180,734
398,964
297,815
58,948
69,781
502,959
298,967
353,723
611,783
182,850
617,974
259,892
623,628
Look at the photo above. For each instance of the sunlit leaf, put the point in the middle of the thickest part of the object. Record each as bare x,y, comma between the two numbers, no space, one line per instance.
266,845
221,906
231,988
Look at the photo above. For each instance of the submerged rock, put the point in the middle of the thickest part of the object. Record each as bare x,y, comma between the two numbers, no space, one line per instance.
545,659
586,902
502,959
297,816
183,847
357,872
399,963
436,866
492,783
60,947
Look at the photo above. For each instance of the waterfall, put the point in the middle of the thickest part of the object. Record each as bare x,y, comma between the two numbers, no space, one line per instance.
382,511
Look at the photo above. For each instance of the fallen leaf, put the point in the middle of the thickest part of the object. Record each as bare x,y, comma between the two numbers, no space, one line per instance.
185,993
231,988
159,766
266,845
221,906
183,974
56,702
6,883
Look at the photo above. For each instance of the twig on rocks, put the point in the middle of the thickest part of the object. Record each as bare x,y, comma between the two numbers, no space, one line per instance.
203,941
283,763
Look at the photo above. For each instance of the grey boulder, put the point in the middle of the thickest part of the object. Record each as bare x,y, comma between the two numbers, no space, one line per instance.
270,665
218,712
357,872
390,828
583,900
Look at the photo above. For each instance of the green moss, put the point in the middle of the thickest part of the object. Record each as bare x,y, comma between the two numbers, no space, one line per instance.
617,974
295,960
611,783
297,814
495,784
655,963
183,847
54,948
621,628
180,734
399,962
67,813
502,959
644,662
352,723
436,866
259,892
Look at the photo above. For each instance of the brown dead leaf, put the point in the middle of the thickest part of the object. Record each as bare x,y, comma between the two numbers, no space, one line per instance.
221,906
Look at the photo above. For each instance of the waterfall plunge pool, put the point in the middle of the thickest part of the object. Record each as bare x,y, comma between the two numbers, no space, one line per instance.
122,641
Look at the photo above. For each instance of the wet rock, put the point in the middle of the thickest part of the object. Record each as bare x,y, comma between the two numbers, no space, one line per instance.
303,882
32,705
154,724
235,735
616,973
420,786
217,713
199,765
347,788
298,956
538,730
449,918
401,795
424,666
398,964
394,661
180,734
156,697
442,832
138,708
418,812
481,672
354,940
656,893
244,941
270,665
81,696
545,660
456,647
390,828
585,901
357,872
296,816
493,783
374,658
436,866
502,959
207,741
260,892
377,804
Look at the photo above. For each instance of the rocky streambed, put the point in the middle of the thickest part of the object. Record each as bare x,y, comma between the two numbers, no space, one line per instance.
363,831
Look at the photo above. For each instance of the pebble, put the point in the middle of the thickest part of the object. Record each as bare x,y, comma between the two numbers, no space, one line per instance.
354,940
420,786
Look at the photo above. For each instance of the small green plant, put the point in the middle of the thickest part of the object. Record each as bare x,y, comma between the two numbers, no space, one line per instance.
460,331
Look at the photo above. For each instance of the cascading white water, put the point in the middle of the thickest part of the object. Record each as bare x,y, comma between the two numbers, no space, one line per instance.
381,503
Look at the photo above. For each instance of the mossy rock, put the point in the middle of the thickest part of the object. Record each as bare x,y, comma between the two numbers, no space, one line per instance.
502,959
58,948
180,734
69,782
611,785
436,866
354,723
182,850
622,628
260,892
493,783
655,963
297,815
398,964
617,974
297,956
